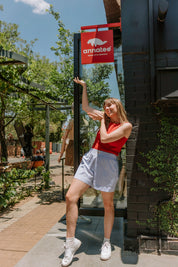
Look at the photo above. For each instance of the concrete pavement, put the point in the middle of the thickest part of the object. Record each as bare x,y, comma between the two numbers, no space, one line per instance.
35,239
33,232
48,252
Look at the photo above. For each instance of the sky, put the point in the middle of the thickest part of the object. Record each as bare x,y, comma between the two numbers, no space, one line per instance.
34,22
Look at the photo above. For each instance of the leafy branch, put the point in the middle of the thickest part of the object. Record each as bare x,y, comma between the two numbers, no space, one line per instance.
162,165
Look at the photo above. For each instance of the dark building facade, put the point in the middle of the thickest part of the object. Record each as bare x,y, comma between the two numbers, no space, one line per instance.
150,63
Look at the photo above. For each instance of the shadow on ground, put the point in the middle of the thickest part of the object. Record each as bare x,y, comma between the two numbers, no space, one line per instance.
50,196
90,231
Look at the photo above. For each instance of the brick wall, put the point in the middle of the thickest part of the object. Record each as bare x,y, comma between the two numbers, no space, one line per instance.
157,246
138,100
143,138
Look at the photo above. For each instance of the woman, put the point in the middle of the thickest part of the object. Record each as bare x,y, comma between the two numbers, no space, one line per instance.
99,169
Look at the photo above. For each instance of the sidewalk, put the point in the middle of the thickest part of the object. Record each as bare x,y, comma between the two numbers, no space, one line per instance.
48,252
32,235
22,228
36,240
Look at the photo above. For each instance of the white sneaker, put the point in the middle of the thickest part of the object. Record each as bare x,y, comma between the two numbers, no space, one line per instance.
105,251
70,250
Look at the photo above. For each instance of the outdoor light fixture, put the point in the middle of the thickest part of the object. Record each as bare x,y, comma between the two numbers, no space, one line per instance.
162,10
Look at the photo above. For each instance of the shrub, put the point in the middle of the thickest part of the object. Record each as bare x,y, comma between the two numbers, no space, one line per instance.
12,186
162,165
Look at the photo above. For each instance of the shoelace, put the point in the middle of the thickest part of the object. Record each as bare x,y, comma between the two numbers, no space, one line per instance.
67,254
65,245
106,245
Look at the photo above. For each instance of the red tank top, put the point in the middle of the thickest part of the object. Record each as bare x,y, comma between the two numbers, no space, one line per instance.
112,147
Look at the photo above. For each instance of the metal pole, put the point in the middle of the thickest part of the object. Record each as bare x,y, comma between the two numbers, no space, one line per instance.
77,73
152,52
63,197
47,139
76,102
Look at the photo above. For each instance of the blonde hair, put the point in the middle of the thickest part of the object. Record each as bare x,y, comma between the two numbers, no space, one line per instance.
122,115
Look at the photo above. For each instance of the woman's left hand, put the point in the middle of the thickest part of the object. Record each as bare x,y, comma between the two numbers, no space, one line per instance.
96,117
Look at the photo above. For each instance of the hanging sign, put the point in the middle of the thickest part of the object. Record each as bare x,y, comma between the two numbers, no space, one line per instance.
97,47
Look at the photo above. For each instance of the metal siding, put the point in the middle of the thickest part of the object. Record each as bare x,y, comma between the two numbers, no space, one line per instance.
166,34
134,19
167,82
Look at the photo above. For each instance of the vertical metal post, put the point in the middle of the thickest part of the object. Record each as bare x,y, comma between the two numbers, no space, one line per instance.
63,197
152,52
47,139
76,101
76,104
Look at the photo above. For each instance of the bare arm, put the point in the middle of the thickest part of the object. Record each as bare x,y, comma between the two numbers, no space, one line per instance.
123,131
85,105
63,144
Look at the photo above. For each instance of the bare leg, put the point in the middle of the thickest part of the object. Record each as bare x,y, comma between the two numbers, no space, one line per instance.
108,213
76,189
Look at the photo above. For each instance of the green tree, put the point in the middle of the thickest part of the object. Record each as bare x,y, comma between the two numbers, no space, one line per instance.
98,87
8,37
17,99
96,76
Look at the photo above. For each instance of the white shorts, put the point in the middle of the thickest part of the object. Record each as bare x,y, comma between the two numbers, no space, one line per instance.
99,170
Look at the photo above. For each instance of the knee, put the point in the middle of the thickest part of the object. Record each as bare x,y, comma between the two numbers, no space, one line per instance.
109,206
71,199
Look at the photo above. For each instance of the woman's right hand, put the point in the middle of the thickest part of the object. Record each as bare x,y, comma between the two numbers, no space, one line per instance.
81,82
